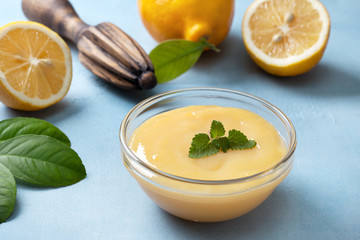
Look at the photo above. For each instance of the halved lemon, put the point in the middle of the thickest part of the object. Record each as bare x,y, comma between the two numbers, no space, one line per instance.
286,37
35,66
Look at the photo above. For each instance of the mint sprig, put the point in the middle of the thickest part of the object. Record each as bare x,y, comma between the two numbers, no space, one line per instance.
238,141
203,145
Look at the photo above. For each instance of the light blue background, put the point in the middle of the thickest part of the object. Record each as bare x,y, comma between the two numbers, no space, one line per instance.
318,200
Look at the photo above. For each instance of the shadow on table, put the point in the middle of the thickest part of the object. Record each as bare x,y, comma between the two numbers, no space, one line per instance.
61,110
259,219
323,81
18,202
236,66
17,210
20,205
134,96
232,65
284,208
232,56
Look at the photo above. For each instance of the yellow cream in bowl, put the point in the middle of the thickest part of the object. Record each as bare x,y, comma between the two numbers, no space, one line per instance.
163,142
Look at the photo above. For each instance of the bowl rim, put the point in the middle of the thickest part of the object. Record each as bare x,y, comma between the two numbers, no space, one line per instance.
145,103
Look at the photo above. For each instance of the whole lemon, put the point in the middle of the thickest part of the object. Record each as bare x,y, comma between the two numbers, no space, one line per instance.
187,19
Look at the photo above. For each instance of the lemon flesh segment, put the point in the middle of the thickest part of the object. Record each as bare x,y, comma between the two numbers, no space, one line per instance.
35,66
279,34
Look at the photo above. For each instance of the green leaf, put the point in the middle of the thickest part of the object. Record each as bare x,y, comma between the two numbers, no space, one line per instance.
217,129
174,57
239,141
41,160
13,127
202,147
222,143
7,193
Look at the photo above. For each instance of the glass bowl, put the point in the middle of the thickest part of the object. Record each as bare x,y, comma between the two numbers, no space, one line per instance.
204,200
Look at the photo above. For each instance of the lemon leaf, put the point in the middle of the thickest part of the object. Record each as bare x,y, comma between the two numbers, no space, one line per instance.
17,126
7,193
41,160
174,57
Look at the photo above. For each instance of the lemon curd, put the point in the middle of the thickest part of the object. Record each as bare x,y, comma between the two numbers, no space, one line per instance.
163,142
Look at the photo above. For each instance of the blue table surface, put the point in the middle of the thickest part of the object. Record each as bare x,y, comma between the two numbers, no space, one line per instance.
319,199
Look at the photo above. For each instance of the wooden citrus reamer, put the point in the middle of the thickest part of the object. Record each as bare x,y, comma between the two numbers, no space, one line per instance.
104,49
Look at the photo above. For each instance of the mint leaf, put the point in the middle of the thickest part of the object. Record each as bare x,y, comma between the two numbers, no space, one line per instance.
7,193
174,57
239,141
17,126
202,147
41,160
222,143
217,129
